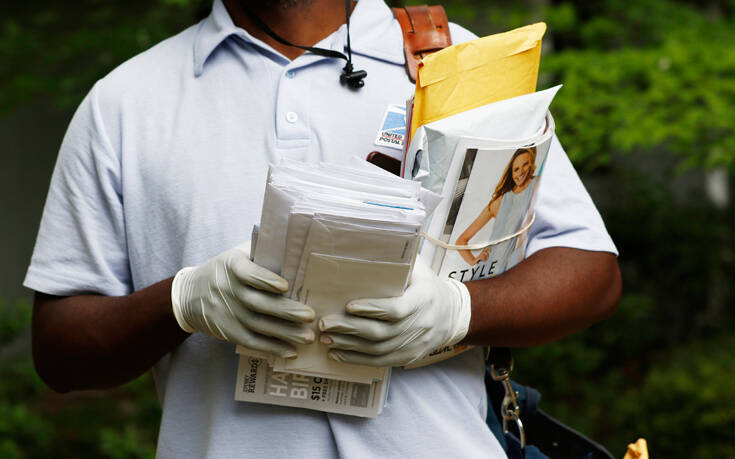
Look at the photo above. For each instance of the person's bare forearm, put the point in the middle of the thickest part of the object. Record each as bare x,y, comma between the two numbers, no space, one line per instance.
553,293
93,341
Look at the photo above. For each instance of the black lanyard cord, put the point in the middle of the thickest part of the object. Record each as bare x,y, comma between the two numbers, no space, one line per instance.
347,21
350,77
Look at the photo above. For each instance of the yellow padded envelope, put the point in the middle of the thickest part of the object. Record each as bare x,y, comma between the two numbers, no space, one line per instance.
477,73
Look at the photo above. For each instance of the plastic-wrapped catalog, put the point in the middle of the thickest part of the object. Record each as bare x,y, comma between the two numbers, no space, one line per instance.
486,163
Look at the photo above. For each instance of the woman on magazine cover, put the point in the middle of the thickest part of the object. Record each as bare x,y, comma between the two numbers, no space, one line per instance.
508,206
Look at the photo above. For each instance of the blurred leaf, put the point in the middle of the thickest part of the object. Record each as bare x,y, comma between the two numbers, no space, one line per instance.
15,318
125,444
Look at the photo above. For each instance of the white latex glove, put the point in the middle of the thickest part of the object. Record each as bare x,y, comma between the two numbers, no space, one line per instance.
431,313
234,299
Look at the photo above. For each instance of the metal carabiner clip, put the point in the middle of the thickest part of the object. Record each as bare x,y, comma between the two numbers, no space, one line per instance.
509,408
512,412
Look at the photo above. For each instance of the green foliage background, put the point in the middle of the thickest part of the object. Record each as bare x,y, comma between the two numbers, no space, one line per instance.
646,112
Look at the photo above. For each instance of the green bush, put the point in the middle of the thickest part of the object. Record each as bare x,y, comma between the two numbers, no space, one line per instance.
15,319
130,443
681,400
686,403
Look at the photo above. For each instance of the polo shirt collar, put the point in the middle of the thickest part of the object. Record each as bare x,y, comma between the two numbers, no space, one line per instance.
373,33
215,29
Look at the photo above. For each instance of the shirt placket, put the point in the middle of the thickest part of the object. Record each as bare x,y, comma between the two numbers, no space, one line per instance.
293,102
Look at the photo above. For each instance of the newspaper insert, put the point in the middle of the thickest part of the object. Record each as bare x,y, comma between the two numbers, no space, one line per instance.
258,383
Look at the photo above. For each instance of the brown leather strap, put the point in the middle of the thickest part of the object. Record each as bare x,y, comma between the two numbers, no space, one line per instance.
425,30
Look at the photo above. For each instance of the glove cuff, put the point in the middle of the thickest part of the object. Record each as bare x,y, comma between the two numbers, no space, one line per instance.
177,292
462,314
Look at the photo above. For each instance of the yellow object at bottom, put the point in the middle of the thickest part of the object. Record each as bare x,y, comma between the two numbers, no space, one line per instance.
637,450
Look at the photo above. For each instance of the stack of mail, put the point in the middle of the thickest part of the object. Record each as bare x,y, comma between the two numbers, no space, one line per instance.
337,233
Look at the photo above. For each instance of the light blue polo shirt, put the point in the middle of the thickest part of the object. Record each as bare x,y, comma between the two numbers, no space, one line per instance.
164,166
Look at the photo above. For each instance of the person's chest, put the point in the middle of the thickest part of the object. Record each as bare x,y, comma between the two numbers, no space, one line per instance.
194,175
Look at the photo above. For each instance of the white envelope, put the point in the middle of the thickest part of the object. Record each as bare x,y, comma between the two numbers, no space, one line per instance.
299,222
283,191
359,241
301,216
268,252
347,177
330,283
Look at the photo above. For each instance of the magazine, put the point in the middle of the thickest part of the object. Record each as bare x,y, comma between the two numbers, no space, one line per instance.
489,188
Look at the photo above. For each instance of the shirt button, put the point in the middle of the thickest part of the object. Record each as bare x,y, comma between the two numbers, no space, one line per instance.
290,74
292,117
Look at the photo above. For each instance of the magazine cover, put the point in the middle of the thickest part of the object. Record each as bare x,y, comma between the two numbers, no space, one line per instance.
492,201
492,207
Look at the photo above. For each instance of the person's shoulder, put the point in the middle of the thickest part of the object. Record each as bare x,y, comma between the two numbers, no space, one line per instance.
459,34
151,71
494,204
